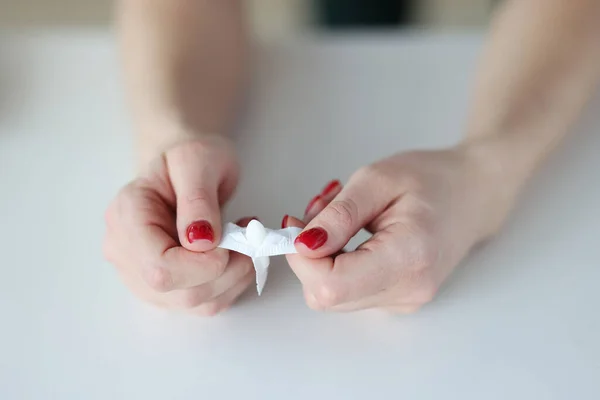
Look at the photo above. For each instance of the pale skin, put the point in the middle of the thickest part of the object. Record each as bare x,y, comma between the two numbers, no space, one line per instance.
185,73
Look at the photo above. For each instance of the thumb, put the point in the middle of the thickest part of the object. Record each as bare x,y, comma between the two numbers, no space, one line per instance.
196,180
358,204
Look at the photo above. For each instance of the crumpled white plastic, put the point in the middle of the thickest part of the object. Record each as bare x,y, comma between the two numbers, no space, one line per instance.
259,243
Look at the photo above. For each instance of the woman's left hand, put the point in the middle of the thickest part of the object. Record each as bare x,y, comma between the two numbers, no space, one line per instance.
425,209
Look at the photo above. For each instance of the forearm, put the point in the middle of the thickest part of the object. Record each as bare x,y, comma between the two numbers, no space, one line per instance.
184,68
540,66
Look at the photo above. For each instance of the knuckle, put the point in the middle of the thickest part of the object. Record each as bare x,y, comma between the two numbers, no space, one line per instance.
342,213
419,280
366,172
378,175
214,262
112,211
107,250
326,296
158,278
412,309
124,202
197,195
208,309
312,303
422,287
127,196
199,147
191,298
245,269
377,172
406,309
420,253
424,294
151,300
426,254
219,269
412,182
109,214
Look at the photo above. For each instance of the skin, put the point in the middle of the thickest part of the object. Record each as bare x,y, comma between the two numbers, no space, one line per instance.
540,66
183,67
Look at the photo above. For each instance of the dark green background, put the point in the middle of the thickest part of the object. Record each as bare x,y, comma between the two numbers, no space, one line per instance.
340,14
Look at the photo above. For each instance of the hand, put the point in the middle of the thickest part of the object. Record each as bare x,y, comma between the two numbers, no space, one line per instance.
425,209
163,229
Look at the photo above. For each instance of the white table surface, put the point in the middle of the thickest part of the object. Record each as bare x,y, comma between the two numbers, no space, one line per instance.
519,320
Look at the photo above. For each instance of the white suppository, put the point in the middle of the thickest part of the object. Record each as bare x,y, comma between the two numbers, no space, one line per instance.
259,243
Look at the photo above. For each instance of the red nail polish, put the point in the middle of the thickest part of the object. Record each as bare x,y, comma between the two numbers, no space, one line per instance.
312,203
200,230
331,186
312,238
284,221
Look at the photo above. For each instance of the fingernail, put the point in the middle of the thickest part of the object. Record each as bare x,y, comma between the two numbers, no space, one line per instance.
245,221
312,203
331,186
200,230
284,221
312,238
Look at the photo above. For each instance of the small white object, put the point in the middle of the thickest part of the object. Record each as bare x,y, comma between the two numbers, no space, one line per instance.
259,243
255,233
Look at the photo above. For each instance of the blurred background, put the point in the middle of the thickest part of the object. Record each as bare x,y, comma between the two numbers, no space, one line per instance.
271,17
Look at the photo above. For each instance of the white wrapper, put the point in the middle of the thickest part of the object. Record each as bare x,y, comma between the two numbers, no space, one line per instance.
259,243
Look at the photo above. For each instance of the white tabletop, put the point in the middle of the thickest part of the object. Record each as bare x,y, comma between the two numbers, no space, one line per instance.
519,320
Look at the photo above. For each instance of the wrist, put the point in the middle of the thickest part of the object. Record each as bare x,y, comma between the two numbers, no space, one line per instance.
496,176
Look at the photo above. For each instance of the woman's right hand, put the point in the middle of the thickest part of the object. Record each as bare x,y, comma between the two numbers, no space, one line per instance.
164,226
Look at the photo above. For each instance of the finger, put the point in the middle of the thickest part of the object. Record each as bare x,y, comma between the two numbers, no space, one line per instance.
238,268
403,309
183,269
293,259
179,268
141,291
196,176
355,206
394,266
290,221
325,287
373,302
370,270
223,301
165,266
342,308
382,301
149,250
315,206
322,290
319,202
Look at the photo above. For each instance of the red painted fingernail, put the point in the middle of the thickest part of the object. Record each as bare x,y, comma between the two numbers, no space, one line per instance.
331,186
312,238
312,203
284,221
200,230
